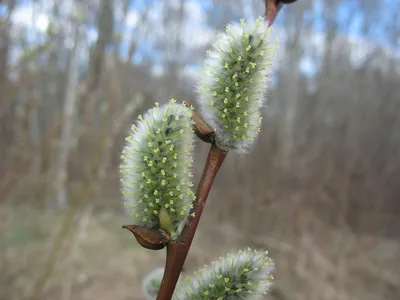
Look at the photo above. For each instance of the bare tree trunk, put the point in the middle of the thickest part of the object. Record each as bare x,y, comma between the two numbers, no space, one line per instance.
91,98
290,93
5,26
174,50
129,109
66,130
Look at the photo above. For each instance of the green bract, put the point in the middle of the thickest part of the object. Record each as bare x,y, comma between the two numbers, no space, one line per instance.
234,83
156,168
243,275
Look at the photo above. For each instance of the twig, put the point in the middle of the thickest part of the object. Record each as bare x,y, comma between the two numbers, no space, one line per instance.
272,8
177,251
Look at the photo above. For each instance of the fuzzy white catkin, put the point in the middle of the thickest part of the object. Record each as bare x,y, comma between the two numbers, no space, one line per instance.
151,283
156,168
234,82
242,275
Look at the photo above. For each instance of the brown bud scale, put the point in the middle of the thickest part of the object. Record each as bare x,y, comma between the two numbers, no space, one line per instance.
153,239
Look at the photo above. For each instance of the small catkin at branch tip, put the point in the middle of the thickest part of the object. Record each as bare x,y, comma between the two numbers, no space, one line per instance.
151,283
156,177
243,275
234,82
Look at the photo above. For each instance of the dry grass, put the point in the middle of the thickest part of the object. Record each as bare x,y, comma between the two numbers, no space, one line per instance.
98,260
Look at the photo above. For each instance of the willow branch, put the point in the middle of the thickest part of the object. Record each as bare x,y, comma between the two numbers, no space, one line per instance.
177,251
272,8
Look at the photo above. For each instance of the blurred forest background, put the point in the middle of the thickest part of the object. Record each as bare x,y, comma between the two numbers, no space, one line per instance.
320,191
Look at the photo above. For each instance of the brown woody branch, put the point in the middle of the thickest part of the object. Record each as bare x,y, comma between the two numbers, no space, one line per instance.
178,251
272,8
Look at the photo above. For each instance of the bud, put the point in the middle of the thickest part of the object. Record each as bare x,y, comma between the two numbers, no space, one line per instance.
234,81
156,176
151,284
149,238
243,275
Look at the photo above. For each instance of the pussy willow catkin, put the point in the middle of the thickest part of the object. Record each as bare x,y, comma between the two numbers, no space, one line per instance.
156,165
234,82
242,275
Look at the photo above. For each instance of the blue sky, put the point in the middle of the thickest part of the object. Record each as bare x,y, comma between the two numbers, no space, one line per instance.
196,32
